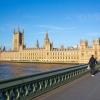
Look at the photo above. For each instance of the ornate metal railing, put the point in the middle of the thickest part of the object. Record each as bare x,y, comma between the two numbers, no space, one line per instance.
28,87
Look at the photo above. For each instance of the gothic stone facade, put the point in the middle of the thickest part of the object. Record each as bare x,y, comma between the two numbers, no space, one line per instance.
48,54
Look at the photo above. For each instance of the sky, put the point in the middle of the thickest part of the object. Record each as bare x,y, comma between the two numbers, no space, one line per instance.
66,21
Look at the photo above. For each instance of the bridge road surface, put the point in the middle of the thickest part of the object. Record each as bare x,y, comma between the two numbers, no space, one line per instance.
84,88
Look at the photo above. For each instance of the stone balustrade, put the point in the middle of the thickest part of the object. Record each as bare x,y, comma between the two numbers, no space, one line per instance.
28,87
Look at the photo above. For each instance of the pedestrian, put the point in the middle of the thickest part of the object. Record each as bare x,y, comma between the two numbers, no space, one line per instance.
92,63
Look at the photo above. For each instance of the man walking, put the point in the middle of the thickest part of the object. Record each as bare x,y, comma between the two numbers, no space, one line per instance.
92,63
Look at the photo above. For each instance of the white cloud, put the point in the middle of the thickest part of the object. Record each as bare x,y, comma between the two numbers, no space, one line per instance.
95,16
82,17
56,28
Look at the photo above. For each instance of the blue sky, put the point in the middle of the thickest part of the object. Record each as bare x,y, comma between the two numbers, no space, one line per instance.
67,21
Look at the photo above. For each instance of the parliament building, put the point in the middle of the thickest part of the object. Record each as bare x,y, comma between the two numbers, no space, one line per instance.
49,54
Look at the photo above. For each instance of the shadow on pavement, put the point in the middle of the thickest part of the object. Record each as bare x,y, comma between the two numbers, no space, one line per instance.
96,71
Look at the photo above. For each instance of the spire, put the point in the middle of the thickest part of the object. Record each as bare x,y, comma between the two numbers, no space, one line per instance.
18,29
4,48
37,44
23,30
47,44
0,48
46,36
14,30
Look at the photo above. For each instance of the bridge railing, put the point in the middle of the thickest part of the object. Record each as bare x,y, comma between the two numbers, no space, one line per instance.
28,87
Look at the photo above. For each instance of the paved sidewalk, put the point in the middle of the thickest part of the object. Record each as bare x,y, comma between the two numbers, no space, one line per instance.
84,88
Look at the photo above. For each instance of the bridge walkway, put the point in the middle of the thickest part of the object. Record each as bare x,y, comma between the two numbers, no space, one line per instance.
85,88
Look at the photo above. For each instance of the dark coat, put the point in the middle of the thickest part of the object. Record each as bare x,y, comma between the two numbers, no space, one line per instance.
92,62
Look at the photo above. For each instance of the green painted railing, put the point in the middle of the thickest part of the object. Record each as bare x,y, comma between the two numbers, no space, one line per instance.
28,87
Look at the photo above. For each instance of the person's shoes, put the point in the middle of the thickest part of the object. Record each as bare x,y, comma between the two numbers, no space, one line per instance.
92,75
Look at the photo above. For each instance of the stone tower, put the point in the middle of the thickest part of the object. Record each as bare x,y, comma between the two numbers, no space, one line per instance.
96,43
18,40
47,44
83,44
96,48
82,51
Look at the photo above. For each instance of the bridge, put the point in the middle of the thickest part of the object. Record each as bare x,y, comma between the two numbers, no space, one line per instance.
84,88
73,83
